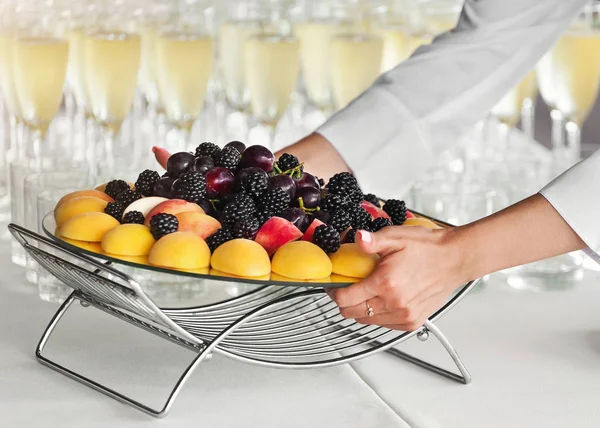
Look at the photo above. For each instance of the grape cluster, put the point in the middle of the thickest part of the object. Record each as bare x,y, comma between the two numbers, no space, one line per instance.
243,187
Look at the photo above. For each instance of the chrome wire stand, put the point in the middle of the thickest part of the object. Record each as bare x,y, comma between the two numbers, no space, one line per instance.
272,326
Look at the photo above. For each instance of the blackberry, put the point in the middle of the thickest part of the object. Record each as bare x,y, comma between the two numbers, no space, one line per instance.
327,238
369,197
114,187
379,223
275,201
134,217
361,219
246,229
340,220
332,202
245,199
218,238
229,157
254,184
146,181
356,196
128,196
396,210
234,212
321,182
208,149
190,186
350,236
263,216
162,224
288,162
115,209
343,183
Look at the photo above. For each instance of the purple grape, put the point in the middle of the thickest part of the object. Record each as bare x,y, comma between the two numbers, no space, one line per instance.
258,156
310,196
162,188
178,163
238,145
206,206
284,182
202,164
297,217
219,182
321,215
307,180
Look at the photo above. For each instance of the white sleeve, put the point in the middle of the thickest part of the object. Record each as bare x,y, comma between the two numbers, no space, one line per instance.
576,196
391,133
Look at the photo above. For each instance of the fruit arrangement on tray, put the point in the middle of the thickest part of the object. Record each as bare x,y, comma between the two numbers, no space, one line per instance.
232,211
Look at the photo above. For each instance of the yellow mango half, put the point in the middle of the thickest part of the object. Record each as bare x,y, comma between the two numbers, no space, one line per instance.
352,262
241,257
301,260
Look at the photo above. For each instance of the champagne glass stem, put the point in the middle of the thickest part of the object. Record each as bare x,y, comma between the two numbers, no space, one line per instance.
558,140
573,146
528,117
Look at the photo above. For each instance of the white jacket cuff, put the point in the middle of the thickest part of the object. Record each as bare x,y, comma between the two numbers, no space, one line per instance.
574,195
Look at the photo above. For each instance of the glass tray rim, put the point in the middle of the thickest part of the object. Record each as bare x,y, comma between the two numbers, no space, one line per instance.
49,228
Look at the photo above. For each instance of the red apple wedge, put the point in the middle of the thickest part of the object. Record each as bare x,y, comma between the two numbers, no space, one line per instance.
275,233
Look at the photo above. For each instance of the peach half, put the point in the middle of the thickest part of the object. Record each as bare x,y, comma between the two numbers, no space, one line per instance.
180,250
241,257
351,261
301,260
90,227
172,206
76,206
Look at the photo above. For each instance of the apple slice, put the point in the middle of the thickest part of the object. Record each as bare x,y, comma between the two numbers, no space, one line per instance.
374,210
308,235
144,205
172,206
275,233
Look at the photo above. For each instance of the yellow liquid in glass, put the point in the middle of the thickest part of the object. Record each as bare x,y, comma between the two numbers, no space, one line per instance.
232,38
148,64
355,64
574,64
315,56
7,84
396,45
40,69
112,63
271,67
76,71
184,67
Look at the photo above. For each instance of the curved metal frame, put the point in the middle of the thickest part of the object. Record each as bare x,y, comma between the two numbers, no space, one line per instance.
273,326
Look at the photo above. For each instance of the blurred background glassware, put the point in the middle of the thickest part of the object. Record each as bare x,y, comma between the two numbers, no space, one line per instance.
64,182
271,67
50,289
184,66
112,55
569,77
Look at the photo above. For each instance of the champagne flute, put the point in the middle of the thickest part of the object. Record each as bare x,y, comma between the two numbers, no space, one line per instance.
391,23
315,33
569,82
271,62
244,18
184,65
112,54
39,64
355,57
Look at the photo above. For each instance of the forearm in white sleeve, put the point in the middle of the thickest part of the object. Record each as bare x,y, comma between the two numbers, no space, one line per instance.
391,133
576,196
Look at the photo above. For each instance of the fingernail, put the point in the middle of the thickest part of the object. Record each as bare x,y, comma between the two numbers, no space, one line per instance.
365,236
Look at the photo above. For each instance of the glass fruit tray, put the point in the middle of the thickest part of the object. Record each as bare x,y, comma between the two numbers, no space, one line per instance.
94,250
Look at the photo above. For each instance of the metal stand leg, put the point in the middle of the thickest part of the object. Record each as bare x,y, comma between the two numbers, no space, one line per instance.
159,413
423,335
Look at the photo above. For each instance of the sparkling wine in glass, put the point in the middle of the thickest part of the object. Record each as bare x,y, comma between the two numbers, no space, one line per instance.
569,78
111,62
184,66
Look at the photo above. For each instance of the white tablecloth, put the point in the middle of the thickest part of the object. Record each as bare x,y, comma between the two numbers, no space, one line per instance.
534,357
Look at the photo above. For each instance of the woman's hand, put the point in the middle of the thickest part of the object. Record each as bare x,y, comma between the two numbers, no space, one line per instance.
419,269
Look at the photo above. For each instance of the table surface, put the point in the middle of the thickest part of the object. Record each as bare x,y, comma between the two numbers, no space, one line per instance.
534,358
